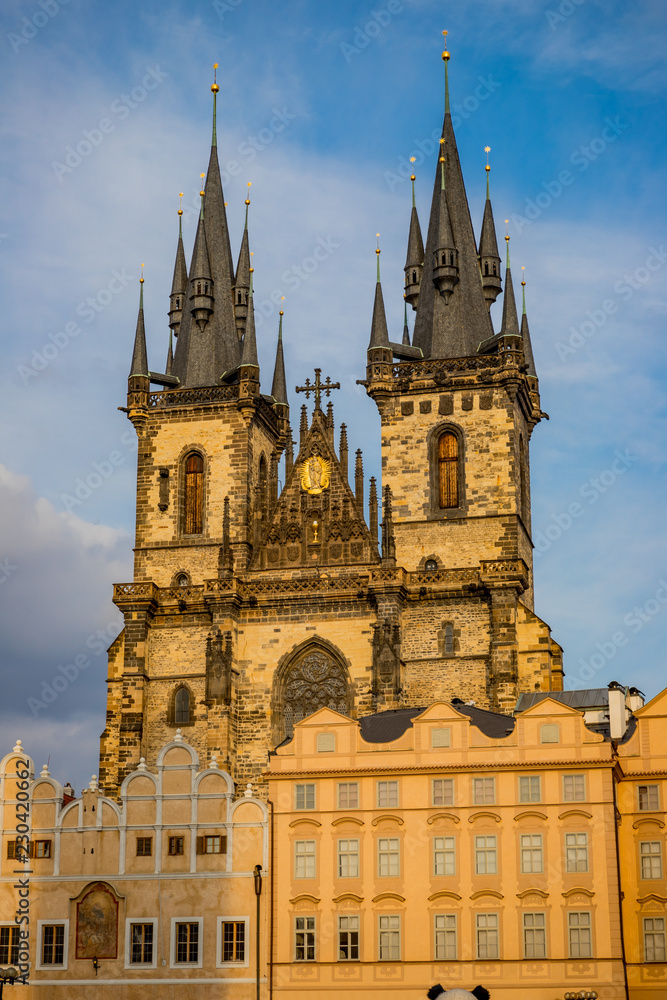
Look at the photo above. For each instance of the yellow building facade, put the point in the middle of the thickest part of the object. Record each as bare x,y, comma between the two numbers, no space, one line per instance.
455,852
137,896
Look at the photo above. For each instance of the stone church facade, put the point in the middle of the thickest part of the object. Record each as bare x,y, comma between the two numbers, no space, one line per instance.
251,607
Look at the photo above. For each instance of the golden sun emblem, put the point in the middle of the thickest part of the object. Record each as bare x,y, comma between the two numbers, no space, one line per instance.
315,474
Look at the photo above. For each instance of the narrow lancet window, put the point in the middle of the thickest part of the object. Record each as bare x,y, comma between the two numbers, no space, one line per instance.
448,470
194,495
182,707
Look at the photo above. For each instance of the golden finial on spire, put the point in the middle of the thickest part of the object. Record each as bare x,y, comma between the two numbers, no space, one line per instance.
442,150
214,86
412,160
180,203
523,276
202,187
487,150
445,54
507,232
247,201
141,279
282,299
378,246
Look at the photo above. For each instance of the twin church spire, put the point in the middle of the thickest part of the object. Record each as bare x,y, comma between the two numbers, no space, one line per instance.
452,282
211,312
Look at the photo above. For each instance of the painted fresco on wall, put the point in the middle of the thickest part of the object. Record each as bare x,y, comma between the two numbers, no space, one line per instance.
97,923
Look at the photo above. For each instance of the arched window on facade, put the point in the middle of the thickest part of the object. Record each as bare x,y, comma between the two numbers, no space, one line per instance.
194,495
448,470
449,638
182,707
315,679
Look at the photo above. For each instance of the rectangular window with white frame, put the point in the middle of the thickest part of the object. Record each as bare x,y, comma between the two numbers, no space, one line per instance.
389,857
444,856
486,855
484,791
650,853
579,934
387,794
9,943
304,859
186,942
53,939
530,788
445,937
654,939
232,942
443,791
348,939
532,854
534,935
487,940
389,938
304,939
348,794
141,941
576,852
574,788
304,796
648,797
348,857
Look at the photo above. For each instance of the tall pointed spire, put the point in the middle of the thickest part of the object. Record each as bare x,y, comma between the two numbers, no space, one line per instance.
169,367
525,333
179,284
242,280
445,256
406,332
201,283
379,332
453,328
279,385
489,258
414,259
510,324
250,339
139,355
215,88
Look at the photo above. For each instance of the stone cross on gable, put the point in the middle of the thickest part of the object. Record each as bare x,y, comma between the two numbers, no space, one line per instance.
318,387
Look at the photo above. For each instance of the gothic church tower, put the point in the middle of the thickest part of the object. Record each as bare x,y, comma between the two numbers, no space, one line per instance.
253,606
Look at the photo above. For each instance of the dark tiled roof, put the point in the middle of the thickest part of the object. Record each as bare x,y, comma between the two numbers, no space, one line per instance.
384,727
581,700
492,724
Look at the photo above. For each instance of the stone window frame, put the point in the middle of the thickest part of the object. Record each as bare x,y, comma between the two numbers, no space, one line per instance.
171,715
434,511
186,452
281,675
456,645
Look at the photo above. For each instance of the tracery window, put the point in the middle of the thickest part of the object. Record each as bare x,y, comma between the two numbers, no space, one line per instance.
313,681
448,469
194,495
182,707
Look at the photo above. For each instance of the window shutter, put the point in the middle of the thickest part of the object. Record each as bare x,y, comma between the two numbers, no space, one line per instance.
223,844
32,848
200,845
448,470
194,495
11,848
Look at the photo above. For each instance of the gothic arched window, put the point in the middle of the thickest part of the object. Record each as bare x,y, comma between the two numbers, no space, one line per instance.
448,469
314,680
449,638
193,523
182,707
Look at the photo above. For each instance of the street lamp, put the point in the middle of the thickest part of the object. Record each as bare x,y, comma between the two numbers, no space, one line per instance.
258,892
8,975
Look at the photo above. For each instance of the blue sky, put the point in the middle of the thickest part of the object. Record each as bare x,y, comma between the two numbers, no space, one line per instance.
321,105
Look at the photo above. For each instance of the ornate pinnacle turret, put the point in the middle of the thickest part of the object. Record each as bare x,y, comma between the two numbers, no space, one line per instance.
406,332
445,255
242,281
525,334
379,332
414,260
249,357
279,385
179,284
139,355
489,258
169,367
201,283
510,324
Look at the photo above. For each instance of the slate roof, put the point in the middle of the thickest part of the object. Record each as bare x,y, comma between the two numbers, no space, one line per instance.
587,698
